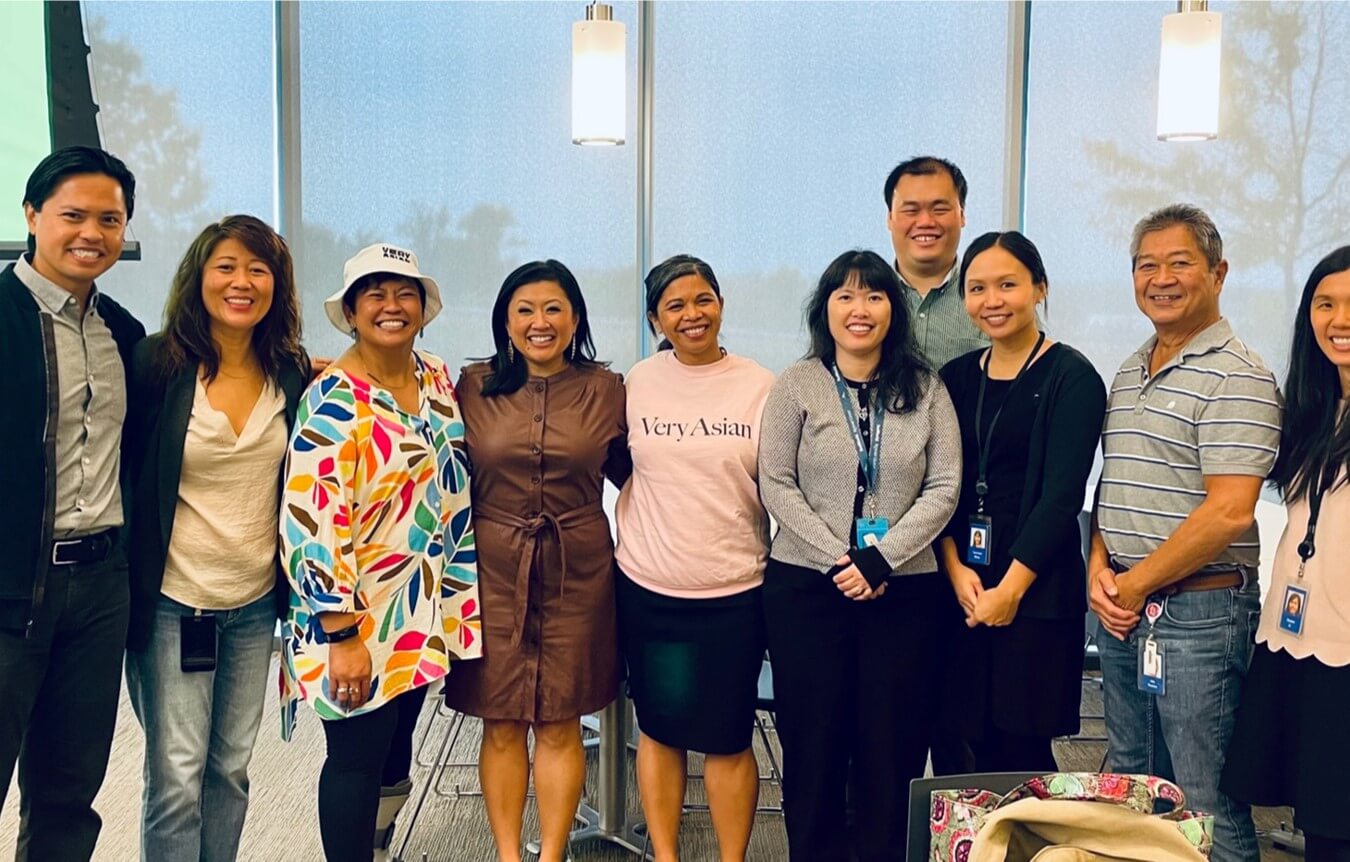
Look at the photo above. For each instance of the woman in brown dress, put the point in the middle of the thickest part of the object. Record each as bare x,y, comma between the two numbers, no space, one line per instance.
545,425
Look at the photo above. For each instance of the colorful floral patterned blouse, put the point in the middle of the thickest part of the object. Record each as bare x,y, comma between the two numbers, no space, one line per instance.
375,519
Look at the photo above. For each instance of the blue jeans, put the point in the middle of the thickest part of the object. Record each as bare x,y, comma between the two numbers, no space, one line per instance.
199,732
1206,638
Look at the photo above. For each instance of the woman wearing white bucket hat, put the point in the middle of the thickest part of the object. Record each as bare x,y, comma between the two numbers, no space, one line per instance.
378,544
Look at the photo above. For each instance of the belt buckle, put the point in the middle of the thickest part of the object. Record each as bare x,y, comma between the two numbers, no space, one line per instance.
56,550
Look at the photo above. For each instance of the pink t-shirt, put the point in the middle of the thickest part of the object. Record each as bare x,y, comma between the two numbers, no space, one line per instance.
690,521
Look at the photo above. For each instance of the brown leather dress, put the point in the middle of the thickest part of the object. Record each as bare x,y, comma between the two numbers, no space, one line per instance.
545,554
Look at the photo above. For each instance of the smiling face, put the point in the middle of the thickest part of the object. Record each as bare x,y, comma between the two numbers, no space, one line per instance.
1173,283
1330,319
925,222
859,318
1001,297
79,230
689,315
387,314
236,287
540,322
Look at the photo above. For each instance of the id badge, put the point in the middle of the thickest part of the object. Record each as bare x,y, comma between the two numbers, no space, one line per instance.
869,531
1294,609
1151,678
197,643
980,540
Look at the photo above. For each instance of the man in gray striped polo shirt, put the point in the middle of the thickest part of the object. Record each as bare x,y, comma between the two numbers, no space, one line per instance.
1192,427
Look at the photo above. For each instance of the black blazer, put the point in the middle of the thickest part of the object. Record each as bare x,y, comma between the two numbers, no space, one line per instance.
28,441
157,420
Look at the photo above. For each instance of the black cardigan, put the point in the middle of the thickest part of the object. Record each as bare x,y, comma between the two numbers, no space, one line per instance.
155,432
28,442
1071,404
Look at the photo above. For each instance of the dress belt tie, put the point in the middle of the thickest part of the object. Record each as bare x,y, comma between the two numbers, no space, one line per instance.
533,527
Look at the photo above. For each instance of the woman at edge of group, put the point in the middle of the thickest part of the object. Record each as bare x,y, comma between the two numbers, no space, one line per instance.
1013,549
859,463
1289,745
544,427
215,396
693,541
378,545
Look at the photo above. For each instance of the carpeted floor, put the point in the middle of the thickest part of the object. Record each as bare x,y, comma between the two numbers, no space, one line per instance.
281,822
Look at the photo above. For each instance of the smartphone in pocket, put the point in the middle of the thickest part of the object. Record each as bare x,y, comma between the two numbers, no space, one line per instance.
197,643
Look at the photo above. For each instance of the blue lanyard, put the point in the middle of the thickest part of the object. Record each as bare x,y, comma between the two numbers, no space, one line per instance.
869,460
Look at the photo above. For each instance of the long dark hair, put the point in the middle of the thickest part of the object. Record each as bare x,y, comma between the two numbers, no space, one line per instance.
187,325
1311,438
902,372
507,376
667,271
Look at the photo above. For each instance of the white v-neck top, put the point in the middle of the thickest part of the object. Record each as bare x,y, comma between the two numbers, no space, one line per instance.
223,551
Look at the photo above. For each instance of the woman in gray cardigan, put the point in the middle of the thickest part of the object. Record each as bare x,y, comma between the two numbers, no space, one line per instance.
860,465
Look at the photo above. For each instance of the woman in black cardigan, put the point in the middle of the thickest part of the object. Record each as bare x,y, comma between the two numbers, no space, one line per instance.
212,401
1031,414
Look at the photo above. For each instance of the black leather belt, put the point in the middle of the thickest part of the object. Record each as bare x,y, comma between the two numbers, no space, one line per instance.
85,549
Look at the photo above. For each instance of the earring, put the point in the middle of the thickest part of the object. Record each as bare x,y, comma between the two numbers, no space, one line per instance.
572,350
510,352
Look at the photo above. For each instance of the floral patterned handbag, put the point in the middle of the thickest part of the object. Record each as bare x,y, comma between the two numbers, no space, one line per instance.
956,816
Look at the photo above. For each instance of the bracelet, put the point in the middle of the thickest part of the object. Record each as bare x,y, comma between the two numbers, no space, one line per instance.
342,634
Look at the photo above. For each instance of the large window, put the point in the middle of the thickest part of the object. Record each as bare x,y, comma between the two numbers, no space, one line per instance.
446,127
185,94
776,124
1277,181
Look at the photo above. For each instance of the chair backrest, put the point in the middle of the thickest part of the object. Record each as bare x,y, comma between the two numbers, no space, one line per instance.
921,806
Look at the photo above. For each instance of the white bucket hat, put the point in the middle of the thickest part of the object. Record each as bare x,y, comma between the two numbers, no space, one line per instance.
381,257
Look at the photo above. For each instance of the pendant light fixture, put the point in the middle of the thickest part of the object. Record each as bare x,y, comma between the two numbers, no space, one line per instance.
599,88
1188,74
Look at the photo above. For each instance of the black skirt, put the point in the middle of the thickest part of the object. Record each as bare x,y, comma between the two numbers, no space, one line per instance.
1025,678
1289,745
693,666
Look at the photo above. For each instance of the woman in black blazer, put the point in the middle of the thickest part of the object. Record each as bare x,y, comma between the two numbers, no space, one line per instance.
1031,414
212,400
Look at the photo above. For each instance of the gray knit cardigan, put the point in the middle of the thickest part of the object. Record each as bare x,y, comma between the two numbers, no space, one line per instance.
808,472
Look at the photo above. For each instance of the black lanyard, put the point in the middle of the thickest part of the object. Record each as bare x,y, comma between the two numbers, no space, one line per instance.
1308,546
983,441
869,460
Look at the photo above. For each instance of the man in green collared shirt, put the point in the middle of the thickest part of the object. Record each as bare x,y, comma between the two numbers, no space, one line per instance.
926,209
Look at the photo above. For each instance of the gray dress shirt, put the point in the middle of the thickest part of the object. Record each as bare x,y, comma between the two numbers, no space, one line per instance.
92,403
942,329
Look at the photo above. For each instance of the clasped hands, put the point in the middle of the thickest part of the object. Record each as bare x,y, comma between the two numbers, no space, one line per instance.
851,582
996,606
1115,601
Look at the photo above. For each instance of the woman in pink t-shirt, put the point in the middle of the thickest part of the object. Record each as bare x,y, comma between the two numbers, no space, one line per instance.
693,541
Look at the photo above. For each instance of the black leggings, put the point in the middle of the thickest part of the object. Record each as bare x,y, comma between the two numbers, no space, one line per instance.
365,752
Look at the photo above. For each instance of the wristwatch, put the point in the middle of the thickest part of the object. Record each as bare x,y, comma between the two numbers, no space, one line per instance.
337,637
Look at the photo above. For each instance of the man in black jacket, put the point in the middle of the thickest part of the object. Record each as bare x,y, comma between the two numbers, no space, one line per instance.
64,351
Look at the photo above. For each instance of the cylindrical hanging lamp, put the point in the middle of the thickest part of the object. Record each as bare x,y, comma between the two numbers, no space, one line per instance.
1188,74
599,88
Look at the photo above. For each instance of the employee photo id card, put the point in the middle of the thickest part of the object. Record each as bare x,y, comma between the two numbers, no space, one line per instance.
1293,610
870,531
981,537
1151,678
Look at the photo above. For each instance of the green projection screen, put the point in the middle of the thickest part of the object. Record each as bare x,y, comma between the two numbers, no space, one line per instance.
25,135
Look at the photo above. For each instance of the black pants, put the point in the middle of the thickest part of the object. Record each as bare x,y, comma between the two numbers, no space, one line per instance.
852,683
1320,849
365,752
1000,751
61,687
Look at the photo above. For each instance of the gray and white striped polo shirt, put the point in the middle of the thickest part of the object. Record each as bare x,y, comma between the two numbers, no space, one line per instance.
1213,410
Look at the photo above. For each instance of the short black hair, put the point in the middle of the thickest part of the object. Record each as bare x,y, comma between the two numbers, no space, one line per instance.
925,166
509,369
1015,244
71,161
